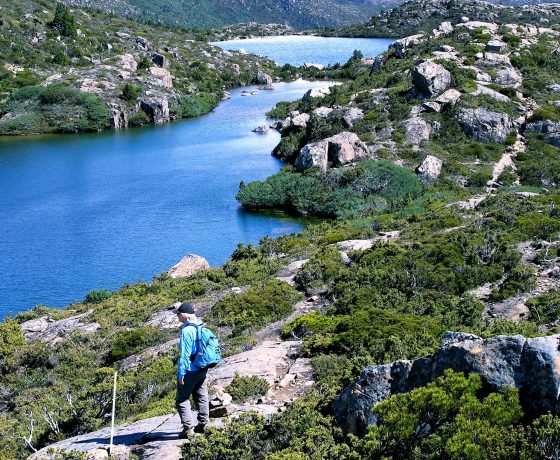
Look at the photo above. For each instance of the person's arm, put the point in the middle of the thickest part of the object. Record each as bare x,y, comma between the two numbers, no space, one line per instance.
185,347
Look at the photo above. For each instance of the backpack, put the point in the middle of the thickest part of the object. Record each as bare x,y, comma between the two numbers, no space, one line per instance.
208,351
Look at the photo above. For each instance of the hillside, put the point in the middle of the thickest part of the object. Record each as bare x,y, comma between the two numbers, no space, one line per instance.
300,14
86,71
414,17
420,319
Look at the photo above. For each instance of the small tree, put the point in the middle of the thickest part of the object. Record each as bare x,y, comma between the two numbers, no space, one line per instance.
63,21
130,92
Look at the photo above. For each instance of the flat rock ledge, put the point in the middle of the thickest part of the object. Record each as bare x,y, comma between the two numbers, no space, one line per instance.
46,329
530,365
156,438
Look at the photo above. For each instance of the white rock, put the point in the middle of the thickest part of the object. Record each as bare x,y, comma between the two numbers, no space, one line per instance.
188,266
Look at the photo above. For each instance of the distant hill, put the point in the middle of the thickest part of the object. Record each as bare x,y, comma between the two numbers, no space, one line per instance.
300,14
421,16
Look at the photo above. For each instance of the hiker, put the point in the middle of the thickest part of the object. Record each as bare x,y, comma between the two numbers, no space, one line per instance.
198,351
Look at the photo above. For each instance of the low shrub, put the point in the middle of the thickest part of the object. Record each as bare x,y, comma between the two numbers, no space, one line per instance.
243,388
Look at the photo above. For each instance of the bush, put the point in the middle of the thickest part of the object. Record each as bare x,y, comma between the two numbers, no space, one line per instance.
257,307
194,106
97,296
545,309
139,119
244,388
127,343
130,92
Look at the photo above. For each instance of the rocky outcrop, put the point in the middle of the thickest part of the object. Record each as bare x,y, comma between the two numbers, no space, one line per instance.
484,125
161,77
496,46
188,266
430,78
339,150
430,169
46,329
530,365
127,62
400,46
157,109
550,129
118,116
316,92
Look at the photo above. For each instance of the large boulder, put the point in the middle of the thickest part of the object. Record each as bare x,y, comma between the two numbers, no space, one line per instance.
530,365
263,78
127,62
156,108
345,148
188,266
430,78
313,155
430,169
484,125
160,60
161,77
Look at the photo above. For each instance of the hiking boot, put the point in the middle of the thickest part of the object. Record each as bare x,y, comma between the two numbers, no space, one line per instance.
200,428
187,433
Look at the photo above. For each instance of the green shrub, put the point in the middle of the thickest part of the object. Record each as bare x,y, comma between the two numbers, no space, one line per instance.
194,106
545,309
138,119
127,343
130,92
97,296
255,308
243,388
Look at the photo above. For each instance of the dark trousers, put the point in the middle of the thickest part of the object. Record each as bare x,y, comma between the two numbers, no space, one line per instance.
194,384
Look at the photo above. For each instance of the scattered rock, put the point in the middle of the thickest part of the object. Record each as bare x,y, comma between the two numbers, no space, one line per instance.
430,78
299,120
416,130
162,77
322,112
352,115
127,62
554,89
481,89
289,272
188,266
430,168
261,129
484,125
496,46
143,44
431,107
451,96
509,77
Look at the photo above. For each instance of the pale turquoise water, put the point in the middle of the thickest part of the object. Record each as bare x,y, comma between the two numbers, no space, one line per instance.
297,50
97,211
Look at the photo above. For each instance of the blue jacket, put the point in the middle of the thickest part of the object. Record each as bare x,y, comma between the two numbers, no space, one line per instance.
187,347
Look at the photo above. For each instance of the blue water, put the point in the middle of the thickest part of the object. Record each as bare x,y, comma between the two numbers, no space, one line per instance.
297,50
97,211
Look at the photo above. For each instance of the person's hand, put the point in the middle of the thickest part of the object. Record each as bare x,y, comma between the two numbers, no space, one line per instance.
180,381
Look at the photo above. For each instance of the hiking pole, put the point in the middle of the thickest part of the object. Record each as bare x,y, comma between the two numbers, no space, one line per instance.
113,414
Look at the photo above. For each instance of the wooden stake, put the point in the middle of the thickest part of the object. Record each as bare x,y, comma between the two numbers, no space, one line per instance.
113,414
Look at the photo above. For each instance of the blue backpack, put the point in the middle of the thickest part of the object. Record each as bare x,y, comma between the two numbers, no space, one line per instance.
208,351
